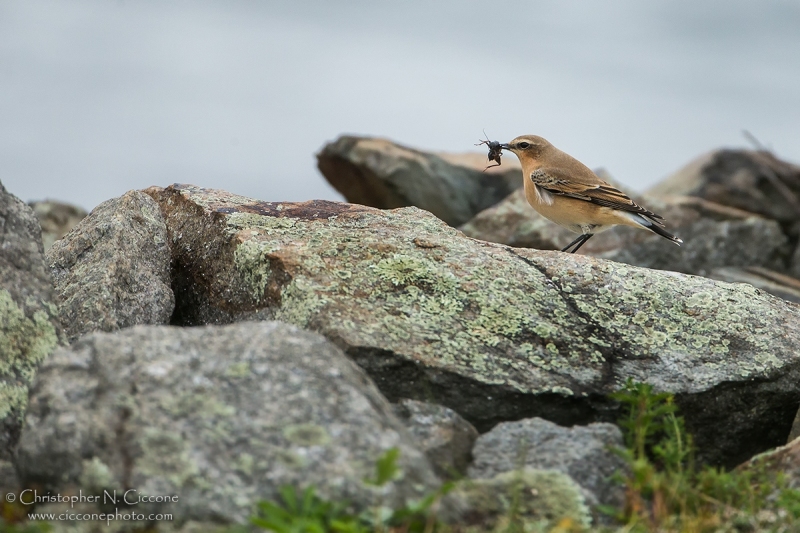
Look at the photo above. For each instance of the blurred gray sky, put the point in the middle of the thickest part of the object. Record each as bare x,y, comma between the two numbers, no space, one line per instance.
100,97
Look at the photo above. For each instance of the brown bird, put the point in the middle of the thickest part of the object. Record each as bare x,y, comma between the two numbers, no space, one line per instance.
566,191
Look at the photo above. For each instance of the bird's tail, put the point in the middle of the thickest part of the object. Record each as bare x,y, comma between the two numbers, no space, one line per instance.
654,226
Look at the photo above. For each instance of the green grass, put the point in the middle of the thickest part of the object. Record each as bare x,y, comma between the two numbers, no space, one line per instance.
666,491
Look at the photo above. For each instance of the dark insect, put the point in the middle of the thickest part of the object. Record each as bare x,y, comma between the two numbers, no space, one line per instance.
495,151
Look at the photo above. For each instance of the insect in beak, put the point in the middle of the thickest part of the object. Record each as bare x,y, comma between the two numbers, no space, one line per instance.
495,152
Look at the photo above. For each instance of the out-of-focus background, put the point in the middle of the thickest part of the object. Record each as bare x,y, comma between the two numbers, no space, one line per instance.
100,97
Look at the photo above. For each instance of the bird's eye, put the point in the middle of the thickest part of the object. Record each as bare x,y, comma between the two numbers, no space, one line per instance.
524,145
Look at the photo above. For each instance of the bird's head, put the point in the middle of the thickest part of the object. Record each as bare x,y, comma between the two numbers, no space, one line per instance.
527,146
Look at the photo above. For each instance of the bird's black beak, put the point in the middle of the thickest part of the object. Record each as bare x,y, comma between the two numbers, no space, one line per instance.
505,146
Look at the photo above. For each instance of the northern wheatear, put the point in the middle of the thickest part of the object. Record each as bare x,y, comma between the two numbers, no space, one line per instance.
566,191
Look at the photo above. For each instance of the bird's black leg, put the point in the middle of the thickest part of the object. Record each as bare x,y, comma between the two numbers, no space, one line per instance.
578,242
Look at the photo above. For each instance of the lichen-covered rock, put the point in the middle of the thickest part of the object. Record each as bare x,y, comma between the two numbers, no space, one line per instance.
539,499
56,219
585,453
222,417
380,173
493,332
751,180
714,235
113,269
444,436
29,326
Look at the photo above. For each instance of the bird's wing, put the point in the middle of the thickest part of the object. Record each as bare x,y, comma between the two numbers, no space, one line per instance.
592,190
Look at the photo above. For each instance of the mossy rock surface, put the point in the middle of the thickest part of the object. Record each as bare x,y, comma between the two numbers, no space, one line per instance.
494,332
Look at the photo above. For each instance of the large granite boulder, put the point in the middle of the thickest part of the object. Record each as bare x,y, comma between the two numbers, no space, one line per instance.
383,174
29,325
492,332
113,269
221,417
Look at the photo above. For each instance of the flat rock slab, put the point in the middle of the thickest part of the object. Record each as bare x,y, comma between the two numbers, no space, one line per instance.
113,269
222,417
493,332
383,174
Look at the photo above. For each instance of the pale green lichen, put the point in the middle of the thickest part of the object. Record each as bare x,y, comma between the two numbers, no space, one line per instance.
96,475
165,455
542,498
251,258
13,399
244,463
306,434
24,343
240,369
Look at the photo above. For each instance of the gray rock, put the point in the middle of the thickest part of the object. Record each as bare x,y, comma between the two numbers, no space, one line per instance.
540,499
750,180
113,269
584,453
715,236
29,326
794,267
380,173
780,285
56,219
444,436
493,332
220,416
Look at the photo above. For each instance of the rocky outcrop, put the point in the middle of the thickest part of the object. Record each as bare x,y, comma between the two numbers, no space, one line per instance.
444,436
492,332
222,417
113,269
380,173
584,453
56,219
29,326
751,180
